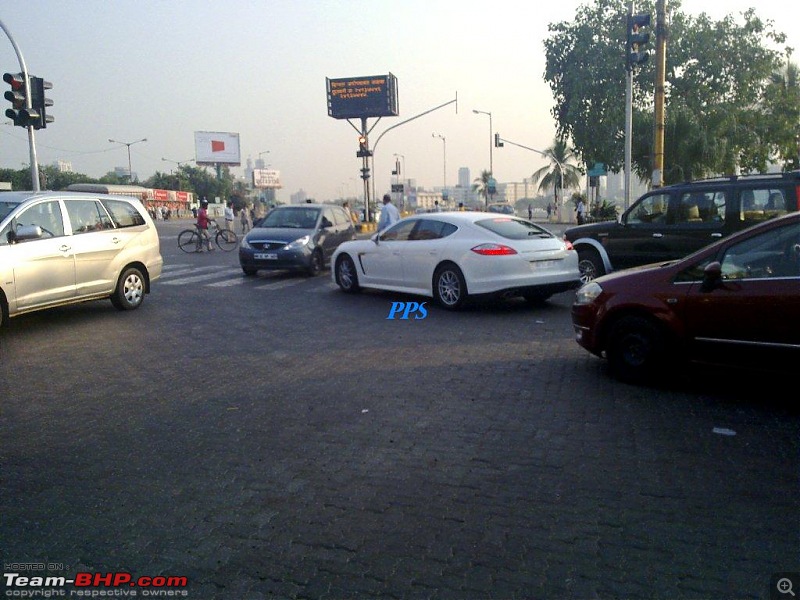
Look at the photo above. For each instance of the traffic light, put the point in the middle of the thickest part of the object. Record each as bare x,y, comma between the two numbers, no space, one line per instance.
39,102
363,147
636,39
18,98
497,142
365,173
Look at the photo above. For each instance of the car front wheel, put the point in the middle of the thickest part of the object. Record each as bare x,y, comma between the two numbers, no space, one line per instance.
130,290
449,287
346,275
636,348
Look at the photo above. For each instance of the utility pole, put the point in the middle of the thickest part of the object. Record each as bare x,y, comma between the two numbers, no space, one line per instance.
661,60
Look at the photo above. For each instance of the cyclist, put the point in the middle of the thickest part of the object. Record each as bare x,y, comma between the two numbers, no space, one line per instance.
202,227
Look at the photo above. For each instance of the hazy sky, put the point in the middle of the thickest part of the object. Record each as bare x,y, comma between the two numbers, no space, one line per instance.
132,69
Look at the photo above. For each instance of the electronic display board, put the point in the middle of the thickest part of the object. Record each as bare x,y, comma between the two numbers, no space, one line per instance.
361,97
216,148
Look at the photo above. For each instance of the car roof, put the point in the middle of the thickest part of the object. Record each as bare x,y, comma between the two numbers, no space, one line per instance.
22,196
462,217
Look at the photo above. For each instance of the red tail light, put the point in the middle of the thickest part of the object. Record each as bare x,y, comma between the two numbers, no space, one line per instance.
569,245
493,250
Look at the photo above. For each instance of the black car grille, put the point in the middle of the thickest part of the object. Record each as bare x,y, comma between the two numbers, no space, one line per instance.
268,245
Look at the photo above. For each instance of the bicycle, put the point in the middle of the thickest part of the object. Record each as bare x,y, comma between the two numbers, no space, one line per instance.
189,240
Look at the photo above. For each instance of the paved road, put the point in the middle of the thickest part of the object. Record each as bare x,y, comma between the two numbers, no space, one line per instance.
272,437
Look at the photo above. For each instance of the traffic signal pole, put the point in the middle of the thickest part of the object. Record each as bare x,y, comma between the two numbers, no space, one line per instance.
31,139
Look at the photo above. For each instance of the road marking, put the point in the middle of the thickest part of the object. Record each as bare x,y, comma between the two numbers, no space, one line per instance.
185,271
278,285
239,280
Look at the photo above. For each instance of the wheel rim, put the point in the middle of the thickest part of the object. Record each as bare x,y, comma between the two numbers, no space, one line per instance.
449,287
587,271
133,289
346,274
635,350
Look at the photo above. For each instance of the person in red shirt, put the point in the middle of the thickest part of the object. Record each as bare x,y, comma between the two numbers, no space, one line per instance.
202,227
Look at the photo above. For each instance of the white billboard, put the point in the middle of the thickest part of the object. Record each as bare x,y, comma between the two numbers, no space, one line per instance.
215,147
267,178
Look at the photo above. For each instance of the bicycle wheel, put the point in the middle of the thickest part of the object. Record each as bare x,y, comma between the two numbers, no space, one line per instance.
187,240
226,240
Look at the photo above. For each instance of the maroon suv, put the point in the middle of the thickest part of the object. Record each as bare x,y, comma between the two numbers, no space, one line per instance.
734,302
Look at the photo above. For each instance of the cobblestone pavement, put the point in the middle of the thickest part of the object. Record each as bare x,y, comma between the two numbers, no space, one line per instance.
291,442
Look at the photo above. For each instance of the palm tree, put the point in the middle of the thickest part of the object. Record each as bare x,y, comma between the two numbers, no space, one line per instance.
559,174
481,185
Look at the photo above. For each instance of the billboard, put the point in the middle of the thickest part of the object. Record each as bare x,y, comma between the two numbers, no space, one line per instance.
362,97
267,178
214,147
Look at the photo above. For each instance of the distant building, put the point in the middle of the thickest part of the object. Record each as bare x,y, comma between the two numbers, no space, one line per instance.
298,197
63,166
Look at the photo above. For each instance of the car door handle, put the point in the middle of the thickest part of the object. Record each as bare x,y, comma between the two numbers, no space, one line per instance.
658,235
64,248
716,235
115,240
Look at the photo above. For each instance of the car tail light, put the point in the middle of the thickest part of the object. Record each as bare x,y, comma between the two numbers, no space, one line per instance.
568,244
493,250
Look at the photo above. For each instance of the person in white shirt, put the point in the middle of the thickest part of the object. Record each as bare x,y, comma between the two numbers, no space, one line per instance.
229,216
389,215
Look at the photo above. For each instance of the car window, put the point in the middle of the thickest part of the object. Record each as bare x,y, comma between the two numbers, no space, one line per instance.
757,205
430,229
291,218
327,218
774,253
87,216
46,215
6,208
123,214
701,208
399,232
339,217
651,209
513,229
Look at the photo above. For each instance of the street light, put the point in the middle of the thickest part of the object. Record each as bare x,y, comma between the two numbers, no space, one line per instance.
180,163
444,177
260,154
483,112
128,144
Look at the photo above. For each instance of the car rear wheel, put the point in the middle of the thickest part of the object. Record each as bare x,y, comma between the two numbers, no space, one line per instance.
130,290
590,265
449,287
636,347
346,275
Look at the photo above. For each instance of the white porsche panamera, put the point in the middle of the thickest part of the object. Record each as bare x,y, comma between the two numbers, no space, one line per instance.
451,256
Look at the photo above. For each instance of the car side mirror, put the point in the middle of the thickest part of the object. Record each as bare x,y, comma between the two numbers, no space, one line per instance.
712,276
27,232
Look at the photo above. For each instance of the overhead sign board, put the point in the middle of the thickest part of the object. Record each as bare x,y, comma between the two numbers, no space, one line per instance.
597,170
217,148
267,178
362,97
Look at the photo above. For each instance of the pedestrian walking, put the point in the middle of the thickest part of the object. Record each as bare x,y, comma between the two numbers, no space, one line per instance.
530,212
229,215
549,211
244,217
389,215
579,210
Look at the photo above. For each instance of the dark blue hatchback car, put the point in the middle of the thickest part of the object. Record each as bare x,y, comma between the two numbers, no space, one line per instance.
301,237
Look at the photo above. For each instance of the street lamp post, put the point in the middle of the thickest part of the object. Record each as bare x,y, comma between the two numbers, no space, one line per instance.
482,112
128,144
444,176
400,174
260,154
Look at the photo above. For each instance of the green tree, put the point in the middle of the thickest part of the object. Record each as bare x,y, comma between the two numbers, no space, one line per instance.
782,104
559,174
715,83
481,185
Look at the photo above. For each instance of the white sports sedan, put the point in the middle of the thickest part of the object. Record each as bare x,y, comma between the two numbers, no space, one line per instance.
451,256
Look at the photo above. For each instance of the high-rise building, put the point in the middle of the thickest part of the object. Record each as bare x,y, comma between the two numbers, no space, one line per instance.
463,177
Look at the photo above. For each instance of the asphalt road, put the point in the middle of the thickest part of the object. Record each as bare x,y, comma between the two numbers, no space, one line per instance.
272,437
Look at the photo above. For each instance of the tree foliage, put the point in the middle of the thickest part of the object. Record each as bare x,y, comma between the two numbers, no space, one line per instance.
725,107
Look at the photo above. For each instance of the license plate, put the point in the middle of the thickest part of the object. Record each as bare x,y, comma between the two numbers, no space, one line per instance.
266,256
543,264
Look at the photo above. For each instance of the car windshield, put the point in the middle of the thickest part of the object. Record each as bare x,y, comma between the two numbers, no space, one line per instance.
501,208
6,208
292,218
513,229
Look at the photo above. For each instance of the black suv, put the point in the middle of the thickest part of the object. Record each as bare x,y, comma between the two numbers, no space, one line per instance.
673,221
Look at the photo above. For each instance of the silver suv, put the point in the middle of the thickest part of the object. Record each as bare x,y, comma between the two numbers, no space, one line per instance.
61,248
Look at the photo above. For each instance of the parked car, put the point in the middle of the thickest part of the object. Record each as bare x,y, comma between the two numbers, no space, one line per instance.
60,248
451,256
301,237
504,208
735,302
673,221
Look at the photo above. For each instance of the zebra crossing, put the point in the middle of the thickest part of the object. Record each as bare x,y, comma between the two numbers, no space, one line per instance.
219,276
